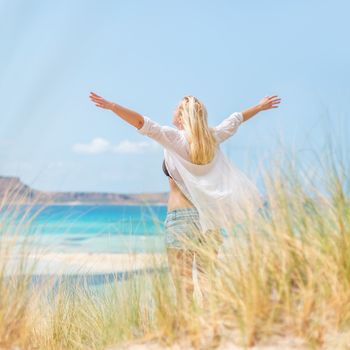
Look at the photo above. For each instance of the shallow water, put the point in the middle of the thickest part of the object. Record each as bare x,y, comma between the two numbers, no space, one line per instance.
89,228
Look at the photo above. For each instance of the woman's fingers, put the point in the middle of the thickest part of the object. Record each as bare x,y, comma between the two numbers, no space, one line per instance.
92,93
100,105
99,101
272,98
96,97
268,102
275,100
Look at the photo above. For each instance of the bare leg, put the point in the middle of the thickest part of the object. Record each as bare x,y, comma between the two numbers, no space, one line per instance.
206,260
180,263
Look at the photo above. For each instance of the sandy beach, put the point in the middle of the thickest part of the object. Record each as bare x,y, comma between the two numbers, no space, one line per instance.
94,263
87,263
230,341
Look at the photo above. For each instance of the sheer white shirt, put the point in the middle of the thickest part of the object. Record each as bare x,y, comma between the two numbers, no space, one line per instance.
222,193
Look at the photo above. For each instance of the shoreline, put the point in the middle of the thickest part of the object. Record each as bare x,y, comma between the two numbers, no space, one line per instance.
85,203
56,263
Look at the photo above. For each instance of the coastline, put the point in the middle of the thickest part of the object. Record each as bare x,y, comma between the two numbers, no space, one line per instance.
88,203
55,263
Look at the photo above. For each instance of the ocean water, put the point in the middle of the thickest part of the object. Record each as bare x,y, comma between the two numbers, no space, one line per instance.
88,228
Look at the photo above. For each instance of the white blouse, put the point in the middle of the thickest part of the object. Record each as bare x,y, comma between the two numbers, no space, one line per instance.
222,193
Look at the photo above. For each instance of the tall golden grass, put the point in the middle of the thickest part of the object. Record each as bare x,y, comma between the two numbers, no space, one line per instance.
285,272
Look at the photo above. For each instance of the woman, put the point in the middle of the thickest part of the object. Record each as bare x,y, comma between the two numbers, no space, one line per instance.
206,190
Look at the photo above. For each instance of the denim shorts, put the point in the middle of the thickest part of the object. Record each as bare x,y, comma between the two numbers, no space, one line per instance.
184,223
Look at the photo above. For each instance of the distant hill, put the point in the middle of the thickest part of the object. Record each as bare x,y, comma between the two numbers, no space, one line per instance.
13,190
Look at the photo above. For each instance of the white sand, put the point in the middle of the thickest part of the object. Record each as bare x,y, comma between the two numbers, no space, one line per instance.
92,263
96,263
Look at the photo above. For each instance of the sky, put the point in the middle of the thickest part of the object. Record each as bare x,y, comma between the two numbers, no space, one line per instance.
147,55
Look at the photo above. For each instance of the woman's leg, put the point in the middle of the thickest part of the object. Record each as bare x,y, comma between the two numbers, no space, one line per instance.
207,263
180,264
207,260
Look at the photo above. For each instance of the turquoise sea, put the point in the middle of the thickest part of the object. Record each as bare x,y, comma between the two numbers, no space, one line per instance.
89,228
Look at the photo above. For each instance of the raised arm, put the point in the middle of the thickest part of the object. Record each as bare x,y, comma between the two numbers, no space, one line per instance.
266,102
128,115
229,125
167,136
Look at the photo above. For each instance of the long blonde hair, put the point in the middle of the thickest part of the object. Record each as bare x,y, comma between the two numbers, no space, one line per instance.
194,118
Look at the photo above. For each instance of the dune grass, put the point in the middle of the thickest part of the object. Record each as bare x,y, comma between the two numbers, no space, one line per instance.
286,272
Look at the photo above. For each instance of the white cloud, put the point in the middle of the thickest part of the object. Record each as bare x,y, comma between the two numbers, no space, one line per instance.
96,146
100,145
127,146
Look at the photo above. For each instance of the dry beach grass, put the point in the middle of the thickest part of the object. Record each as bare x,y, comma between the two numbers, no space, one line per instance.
281,282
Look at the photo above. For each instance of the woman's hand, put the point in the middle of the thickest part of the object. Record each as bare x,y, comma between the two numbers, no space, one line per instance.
265,103
269,102
100,102
130,116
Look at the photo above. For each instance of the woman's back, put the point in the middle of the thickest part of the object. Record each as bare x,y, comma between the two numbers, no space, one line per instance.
221,132
177,140
218,189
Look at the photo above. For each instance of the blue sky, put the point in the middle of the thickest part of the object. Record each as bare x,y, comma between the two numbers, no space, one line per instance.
146,55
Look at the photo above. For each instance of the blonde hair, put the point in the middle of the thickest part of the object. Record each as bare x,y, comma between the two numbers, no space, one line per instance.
194,117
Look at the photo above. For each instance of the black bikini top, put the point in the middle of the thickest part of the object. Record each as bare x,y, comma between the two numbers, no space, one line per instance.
165,170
